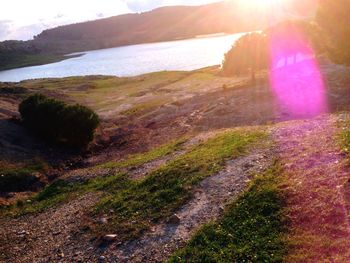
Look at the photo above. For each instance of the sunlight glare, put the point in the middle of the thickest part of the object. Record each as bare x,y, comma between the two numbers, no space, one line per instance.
263,4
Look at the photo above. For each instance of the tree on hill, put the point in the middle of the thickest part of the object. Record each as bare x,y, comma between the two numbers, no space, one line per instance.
333,17
248,54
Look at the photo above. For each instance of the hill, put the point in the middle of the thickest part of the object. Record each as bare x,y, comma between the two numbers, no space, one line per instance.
162,24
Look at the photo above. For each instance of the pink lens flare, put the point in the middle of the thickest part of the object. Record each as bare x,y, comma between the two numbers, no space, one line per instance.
295,76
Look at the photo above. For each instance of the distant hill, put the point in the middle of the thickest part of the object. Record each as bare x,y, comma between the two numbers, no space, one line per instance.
162,24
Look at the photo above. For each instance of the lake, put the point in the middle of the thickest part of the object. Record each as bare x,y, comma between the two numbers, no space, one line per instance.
133,60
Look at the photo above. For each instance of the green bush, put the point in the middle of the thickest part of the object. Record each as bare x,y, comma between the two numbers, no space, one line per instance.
72,125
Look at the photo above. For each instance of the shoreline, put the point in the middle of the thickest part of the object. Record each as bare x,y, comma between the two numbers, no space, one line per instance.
45,59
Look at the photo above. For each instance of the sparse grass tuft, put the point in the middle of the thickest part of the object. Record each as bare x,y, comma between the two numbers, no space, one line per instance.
143,108
62,191
251,230
142,158
344,136
21,177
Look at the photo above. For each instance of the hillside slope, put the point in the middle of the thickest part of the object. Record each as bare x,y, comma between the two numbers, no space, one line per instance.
184,160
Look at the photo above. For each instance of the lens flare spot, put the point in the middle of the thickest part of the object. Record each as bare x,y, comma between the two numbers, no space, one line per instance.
295,76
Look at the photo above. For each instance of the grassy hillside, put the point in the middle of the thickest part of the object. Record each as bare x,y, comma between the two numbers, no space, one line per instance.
186,167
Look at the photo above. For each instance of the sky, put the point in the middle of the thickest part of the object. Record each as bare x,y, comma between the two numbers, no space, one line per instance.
22,19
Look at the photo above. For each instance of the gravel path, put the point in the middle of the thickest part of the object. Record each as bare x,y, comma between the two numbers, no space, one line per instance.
317,173
49,236
207,204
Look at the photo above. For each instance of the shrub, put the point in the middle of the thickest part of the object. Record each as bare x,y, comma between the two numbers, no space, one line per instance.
72,125
248,54
17,180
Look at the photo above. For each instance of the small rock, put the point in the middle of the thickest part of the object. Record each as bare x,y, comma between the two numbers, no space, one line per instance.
102,258
174,219
110,238
103,221
56,233
10,195
23,232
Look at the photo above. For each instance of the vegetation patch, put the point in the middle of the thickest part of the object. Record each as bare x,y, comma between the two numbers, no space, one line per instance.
23,177
142,158
344,135
251,230
72,125
143,108
167,188
62,191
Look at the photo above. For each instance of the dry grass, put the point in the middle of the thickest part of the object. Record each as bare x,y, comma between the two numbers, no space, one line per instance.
315,176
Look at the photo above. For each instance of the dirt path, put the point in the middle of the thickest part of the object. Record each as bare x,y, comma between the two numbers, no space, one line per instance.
207,204
44,237
316,179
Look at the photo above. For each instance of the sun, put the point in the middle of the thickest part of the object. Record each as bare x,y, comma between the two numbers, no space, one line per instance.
263,4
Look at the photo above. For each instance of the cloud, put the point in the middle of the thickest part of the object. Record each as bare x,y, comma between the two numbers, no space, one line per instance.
143,5
146,5
24,19
26,32
5,28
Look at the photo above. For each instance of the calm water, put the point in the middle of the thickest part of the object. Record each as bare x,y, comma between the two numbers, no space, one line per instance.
133,60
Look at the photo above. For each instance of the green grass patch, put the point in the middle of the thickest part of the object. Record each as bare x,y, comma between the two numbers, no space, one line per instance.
145,107
344,135
142,158
61,191
252,229
168,187
21,177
